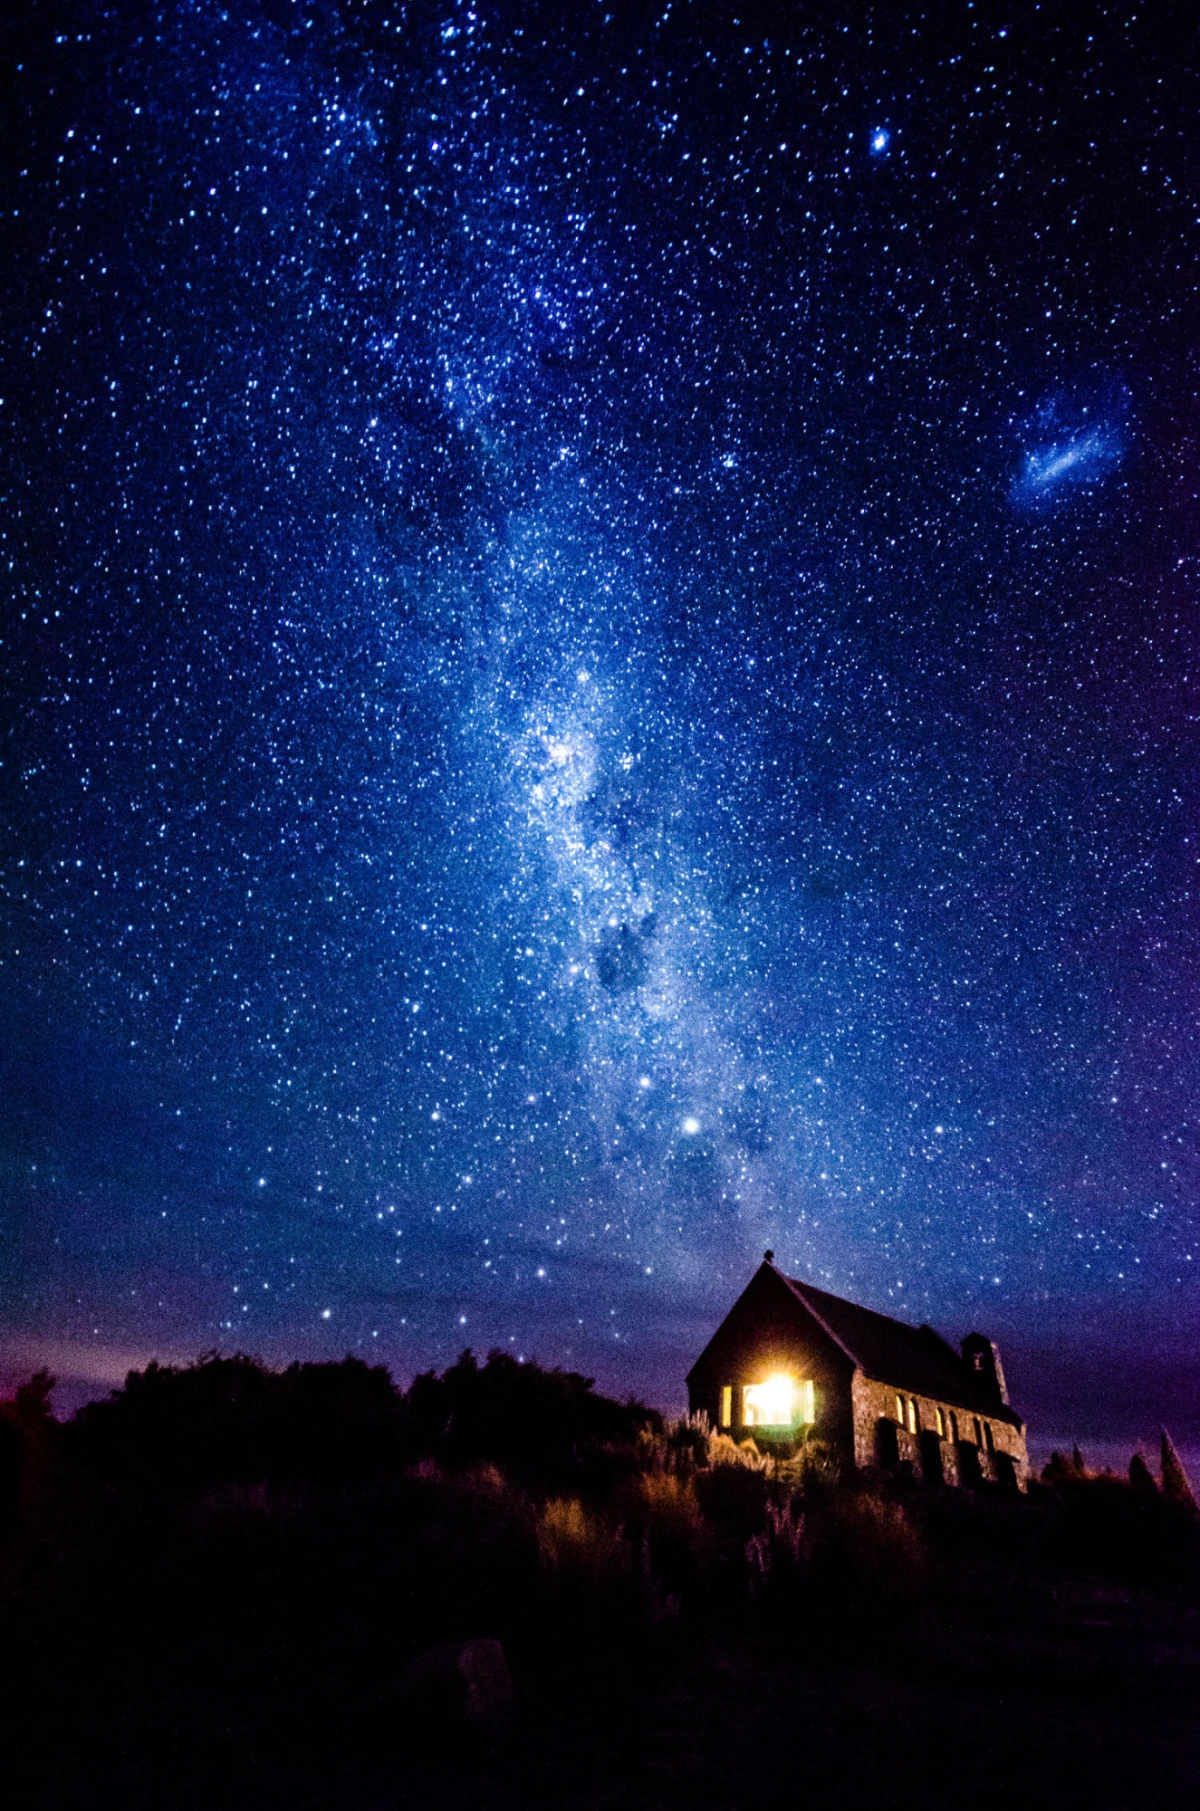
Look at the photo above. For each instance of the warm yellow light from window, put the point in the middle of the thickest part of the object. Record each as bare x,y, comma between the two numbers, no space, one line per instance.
726,1404
778,1402
771,1404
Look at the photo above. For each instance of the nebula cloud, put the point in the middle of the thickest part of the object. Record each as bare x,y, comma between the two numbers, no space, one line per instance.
1073,443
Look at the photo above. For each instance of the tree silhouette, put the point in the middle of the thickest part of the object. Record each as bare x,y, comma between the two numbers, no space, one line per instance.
1175,1481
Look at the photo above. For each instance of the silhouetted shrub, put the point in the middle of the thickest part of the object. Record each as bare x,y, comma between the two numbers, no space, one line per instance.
1058,1469
778,1566
1132,1535
234,1420
520,1415
664,1511
29,1451
734,1500
1175,1481
866,1559
1140,1475
583,1558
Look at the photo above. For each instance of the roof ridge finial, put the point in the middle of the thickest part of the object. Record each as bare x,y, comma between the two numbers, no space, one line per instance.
768,1257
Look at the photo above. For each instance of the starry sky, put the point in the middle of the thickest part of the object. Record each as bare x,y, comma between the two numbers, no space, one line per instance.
600,671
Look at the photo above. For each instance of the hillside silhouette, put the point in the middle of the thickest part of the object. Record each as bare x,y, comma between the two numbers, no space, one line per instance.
234,1585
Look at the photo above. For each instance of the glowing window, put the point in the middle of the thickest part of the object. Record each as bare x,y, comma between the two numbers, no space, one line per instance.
726,1404
941,1424
780,1401
900,1410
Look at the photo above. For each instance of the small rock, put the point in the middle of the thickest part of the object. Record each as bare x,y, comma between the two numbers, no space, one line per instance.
467,1680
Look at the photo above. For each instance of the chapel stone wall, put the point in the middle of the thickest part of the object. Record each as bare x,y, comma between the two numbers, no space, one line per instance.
874,1403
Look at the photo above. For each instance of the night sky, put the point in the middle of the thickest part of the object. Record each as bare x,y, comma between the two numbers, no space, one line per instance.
601,670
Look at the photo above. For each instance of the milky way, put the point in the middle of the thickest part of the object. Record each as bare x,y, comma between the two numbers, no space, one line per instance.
601,672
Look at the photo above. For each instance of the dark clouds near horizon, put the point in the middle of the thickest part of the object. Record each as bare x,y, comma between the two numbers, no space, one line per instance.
601,671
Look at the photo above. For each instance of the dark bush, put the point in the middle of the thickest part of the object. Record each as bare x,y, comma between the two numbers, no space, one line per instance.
225,1420
1124,1532
867,1558
518,1415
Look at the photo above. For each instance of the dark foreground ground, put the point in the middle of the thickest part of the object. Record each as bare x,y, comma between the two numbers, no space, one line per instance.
230,1589
1093,1701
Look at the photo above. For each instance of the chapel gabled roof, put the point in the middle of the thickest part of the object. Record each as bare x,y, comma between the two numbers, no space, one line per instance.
892,1352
